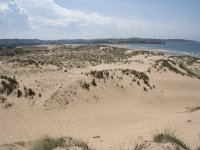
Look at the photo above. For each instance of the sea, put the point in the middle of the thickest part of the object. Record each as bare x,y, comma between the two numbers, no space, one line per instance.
174,48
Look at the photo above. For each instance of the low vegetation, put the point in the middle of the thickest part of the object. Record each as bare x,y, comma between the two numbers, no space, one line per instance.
188,60
162,64
48,143
166,137
189,72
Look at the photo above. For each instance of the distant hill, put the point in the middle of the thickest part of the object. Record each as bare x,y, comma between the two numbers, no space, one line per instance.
177,40
30,42
19,42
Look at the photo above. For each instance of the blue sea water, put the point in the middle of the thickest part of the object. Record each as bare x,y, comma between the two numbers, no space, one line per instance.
175,48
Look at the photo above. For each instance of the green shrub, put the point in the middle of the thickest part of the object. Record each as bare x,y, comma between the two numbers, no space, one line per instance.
48,143
85,85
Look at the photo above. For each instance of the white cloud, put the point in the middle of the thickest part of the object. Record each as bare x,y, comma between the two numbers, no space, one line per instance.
46,19
49,13
3,7
13,18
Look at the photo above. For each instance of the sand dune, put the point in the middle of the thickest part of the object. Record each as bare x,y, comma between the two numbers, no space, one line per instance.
140,97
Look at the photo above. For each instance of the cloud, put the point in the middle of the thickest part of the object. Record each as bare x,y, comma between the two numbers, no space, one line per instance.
44,19
3,7
48,13
13,18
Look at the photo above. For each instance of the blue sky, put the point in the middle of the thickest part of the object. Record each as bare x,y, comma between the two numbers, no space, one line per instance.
72,19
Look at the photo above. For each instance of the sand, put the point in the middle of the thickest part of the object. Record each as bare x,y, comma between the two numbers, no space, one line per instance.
115,114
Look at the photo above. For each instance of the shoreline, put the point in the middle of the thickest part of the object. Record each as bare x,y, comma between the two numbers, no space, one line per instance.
165,51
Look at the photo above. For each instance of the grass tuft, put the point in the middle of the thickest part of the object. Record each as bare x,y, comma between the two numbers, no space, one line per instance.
49,143
171,138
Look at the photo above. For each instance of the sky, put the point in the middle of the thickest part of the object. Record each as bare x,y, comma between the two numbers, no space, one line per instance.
88,19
